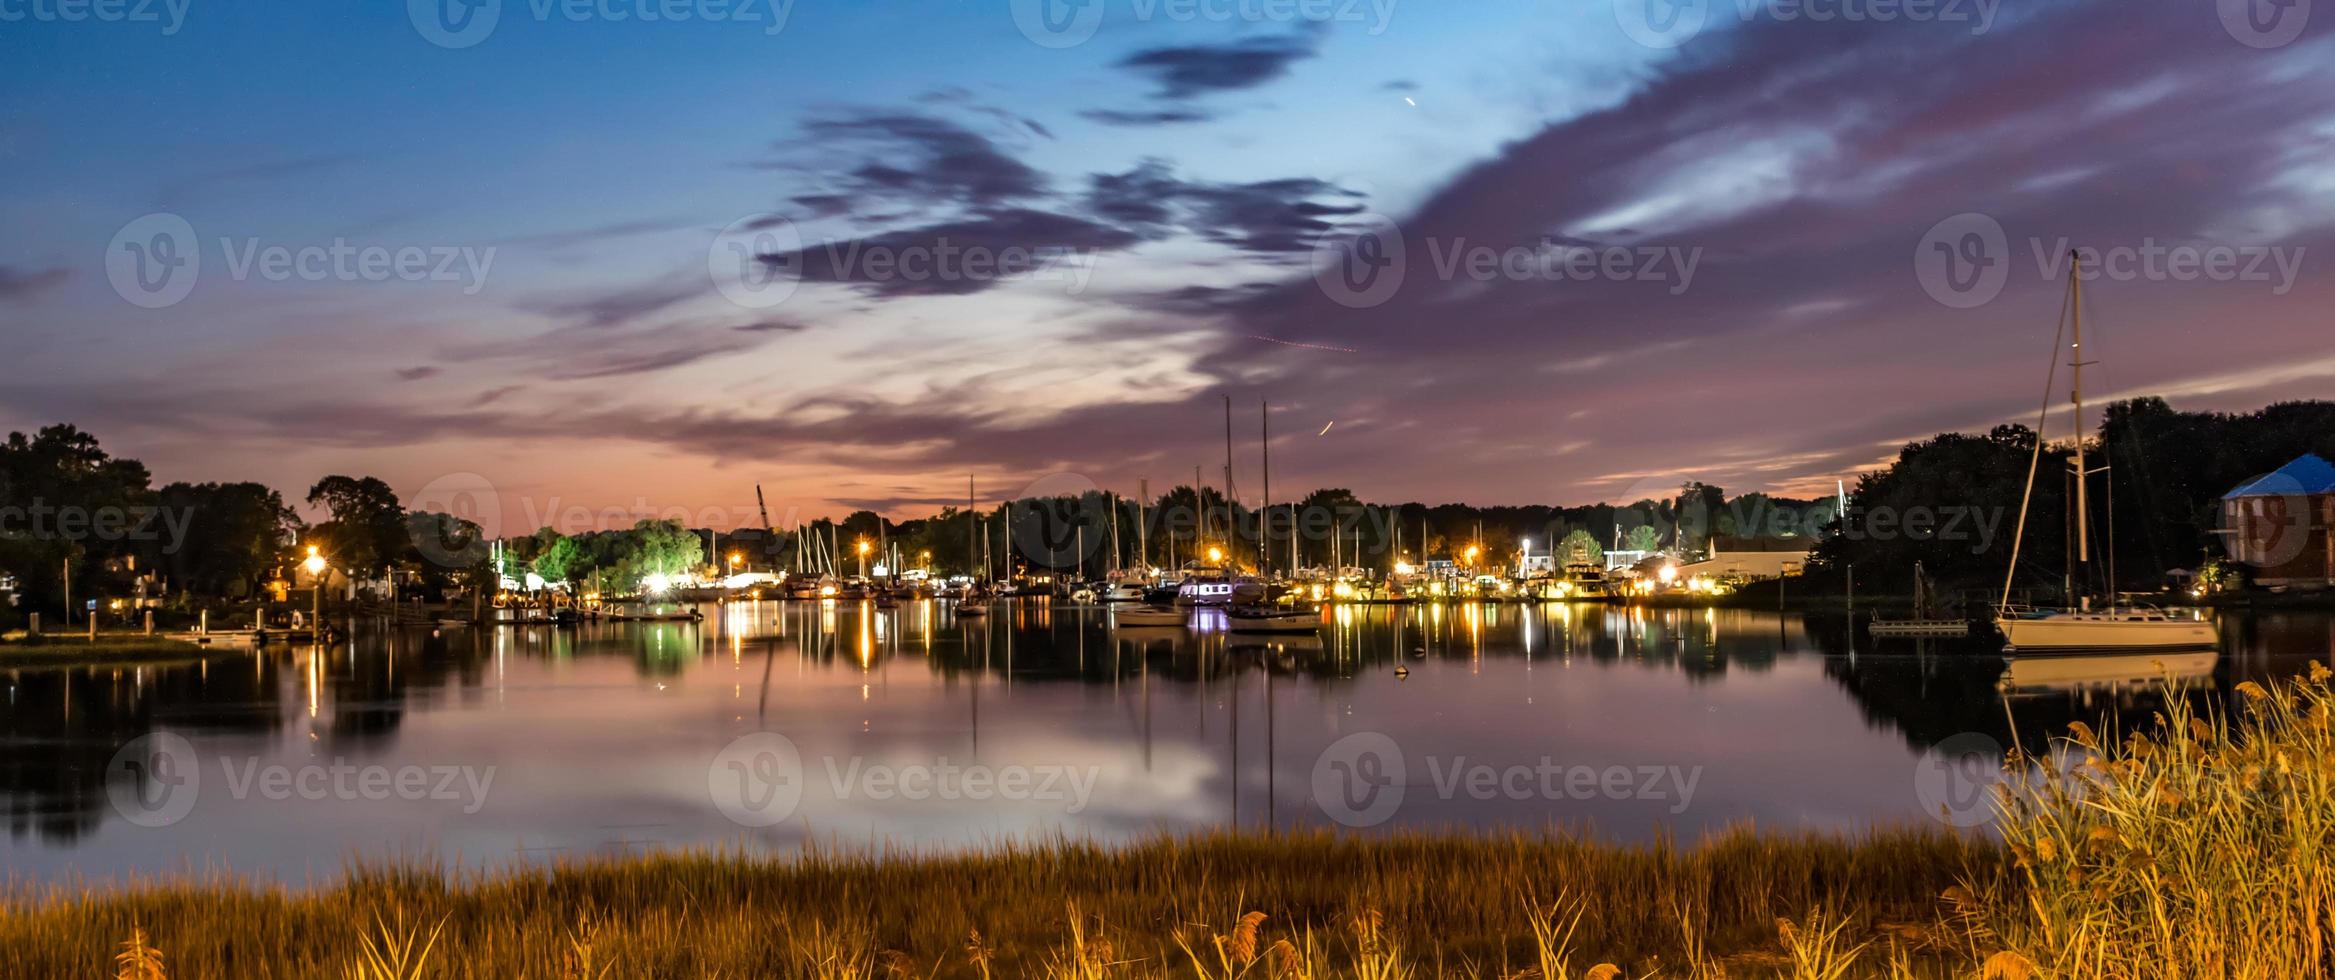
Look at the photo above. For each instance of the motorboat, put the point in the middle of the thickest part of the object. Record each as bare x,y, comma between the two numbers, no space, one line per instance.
1272,619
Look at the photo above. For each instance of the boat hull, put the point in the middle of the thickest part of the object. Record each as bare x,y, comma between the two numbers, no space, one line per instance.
2087,632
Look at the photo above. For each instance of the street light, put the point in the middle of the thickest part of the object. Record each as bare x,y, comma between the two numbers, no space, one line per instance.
863,557
315,566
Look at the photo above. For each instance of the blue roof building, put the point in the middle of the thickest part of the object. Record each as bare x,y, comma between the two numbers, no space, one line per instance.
2283,524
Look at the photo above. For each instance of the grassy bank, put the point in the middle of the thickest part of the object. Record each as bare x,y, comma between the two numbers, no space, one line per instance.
74,649
2199,850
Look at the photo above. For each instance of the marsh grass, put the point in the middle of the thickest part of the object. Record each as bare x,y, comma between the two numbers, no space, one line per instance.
1292,905
2197,847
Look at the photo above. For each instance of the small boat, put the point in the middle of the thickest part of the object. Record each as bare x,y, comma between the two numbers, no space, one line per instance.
973,602
1204,585
1122,592
1149,616
1271,619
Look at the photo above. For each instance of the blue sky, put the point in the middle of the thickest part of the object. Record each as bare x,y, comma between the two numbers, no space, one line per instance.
1194,165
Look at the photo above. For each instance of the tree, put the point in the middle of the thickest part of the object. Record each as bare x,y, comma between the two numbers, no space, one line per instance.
81,507
556,556
1643,538
234,533
1580,547
368,530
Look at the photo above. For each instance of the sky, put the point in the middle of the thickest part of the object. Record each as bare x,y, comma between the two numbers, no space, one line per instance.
566,263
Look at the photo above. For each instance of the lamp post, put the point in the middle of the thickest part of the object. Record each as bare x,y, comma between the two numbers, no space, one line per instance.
315,566
863,558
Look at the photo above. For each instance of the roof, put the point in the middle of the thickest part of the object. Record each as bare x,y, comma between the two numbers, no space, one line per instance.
2308,475
1730,544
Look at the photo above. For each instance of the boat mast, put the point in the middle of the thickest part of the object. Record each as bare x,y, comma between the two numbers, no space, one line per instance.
1265,513
2075,285
1142,526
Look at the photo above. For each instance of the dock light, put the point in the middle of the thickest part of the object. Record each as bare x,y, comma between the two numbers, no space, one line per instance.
736,558
656,583
1215,554
1403,568
315,562
1472,552
1668,574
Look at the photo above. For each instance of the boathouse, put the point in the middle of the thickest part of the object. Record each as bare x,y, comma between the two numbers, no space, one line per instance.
2279,524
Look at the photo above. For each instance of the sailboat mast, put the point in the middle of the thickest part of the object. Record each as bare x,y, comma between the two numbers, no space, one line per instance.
2075,285
1265,513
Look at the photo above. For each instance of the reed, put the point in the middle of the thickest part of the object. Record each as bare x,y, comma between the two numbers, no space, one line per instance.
2197,846
1309,904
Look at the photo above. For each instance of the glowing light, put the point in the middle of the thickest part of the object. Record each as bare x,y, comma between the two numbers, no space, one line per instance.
864,546
1472,552
1215,554
315,562
1403,568
1668,574
657,582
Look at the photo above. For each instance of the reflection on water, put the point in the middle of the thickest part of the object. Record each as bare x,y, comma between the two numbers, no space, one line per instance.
610,737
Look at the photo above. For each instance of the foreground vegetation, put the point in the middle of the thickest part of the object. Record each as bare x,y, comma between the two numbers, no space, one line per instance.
2197,849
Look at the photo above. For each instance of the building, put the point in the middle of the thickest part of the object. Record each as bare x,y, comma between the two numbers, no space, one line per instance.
1752,558
2279,525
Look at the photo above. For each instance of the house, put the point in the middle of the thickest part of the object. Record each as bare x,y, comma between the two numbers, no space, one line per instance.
2280,524
1752,558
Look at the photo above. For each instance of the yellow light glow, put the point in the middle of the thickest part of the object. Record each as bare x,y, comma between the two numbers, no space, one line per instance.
1403,568
1215,554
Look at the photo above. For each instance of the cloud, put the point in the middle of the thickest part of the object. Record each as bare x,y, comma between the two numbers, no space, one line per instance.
1268,216
1147,117
919,159
19,286
416,373
1189,71
911,261
623,306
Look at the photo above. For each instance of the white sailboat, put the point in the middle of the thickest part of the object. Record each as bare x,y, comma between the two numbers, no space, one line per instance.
2118,626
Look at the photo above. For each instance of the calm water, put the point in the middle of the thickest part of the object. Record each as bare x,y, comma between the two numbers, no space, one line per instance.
771,723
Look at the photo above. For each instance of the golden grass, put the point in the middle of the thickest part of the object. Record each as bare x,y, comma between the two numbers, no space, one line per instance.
1313,904
2198,848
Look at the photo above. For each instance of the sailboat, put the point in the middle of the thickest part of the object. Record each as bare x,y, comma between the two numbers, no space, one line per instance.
2084,628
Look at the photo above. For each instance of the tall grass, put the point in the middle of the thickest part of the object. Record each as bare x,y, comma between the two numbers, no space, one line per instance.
2196,847
1323,905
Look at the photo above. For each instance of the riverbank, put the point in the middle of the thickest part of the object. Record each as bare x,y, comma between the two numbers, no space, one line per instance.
80,650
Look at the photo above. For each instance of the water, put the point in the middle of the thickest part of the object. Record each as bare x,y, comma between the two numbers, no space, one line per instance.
486,747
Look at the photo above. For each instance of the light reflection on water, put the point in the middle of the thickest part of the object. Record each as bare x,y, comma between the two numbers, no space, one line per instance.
600,739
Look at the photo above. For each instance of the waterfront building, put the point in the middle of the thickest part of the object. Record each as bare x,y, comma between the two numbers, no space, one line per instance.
2280,524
